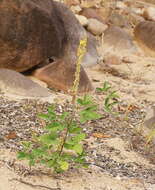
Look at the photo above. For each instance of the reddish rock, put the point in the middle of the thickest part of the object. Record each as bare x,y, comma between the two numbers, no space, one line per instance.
63,80
71,2
112,60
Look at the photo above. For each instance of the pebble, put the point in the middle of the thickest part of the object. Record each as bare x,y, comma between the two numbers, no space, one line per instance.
82,19
149,13
138,11
76,9
120,5
96,27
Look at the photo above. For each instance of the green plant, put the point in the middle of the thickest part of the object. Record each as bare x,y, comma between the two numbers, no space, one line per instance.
89,109
111,97
105,88
60,145
110,101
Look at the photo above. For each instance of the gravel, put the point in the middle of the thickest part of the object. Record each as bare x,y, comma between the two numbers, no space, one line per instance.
19,119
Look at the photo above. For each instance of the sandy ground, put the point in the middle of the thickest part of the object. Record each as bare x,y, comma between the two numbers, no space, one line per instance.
93,178
137,85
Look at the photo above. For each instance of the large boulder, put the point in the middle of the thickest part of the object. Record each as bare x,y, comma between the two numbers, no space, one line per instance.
60,75
33,31
30,32
118,41
14,83
145,36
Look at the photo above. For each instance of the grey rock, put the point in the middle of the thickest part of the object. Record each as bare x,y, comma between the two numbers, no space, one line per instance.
91,57
117,40
15,83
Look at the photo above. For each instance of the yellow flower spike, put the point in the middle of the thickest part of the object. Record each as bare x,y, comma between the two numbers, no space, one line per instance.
80,54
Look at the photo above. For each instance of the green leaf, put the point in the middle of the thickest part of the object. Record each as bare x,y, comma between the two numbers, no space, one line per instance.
91,108
26,145
55,126
49,139
88,115
22,155
50,163
51,109
107,109
67,156
78,148
64,115
79,137
106,87
49,117
44,116
68,145
74,128
64,165
31,162
38,152
99,89
113,95
106,102
87,100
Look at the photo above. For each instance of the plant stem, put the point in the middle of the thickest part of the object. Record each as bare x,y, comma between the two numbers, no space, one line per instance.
80,54
65,136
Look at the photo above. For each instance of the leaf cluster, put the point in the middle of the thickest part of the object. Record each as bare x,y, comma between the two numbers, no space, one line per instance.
61,143
111,97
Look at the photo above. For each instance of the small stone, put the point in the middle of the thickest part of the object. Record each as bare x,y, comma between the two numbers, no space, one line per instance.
96,27
112,60
118,20
138,11
120,5
76,9
149,13
71,2
150,118
127,59
92,13
134,19
82,19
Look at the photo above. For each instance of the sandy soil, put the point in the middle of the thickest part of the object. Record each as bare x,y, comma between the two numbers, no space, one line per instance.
93,178
135,87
